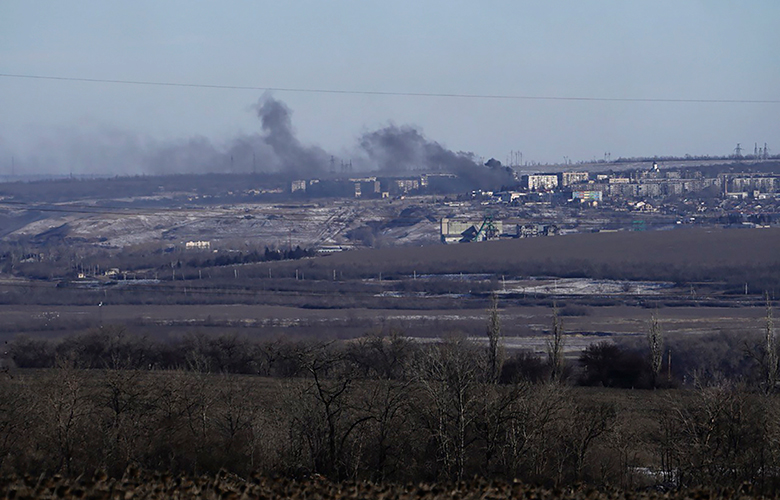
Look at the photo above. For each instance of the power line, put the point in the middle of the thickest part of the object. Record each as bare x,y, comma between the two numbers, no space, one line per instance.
390,93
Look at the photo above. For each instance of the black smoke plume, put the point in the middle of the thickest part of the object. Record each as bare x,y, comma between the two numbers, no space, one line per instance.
391,151
399,150
276,149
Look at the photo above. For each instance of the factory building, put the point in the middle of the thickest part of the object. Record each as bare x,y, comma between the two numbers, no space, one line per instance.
464,230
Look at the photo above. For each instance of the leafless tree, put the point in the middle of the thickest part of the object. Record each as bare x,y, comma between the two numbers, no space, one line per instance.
501,410
122,399
233,414
68,412
766,355
197,398
587,424
655,344
495,349
532,432
18,413
770,365
450,375
331,418
720,436
555,346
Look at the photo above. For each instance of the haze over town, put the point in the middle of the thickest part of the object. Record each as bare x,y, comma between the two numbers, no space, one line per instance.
411,249
530,79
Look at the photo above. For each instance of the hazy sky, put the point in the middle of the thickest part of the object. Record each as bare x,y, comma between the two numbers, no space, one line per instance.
707,49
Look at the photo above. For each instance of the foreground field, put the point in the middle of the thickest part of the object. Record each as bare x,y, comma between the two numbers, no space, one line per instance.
228,486
389,409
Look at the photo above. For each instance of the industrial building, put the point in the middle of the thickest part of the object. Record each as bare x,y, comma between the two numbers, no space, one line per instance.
466,230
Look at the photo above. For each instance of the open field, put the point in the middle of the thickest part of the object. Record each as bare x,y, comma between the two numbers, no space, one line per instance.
691,252
605,284
523,327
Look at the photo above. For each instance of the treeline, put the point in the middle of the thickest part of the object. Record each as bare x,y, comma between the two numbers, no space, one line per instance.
736,357
387,409
57,260
268,255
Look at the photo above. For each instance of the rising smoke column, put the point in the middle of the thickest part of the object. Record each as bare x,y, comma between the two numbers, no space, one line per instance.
291,156
276,149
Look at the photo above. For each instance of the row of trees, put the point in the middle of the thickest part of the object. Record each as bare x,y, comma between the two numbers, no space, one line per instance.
748,358
268,255
437,416
29,259
386,408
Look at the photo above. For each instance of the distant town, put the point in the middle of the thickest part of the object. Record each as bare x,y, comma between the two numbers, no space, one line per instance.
643,196
78,225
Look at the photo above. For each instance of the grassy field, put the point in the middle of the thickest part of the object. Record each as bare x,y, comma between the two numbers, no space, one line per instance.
694,279
259,321
696,251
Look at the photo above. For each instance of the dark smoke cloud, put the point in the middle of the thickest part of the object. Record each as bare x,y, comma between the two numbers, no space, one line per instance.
392,150
396,150
276,149
276,121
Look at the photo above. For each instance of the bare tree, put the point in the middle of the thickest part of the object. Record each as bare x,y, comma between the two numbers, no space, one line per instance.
234,413
122,395
495,348
771,367
555,345
531,434
720,436
766,355
499,410
386,404
17,415
68,411
450,375
587,424
655,344
330,420
197,399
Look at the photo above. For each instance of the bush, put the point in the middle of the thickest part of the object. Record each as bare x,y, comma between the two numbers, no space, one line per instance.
607,364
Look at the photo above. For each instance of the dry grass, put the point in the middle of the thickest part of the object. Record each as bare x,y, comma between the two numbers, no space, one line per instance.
681,247
224,486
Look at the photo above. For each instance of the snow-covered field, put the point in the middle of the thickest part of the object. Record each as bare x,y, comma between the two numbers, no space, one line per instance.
306,225
583,286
